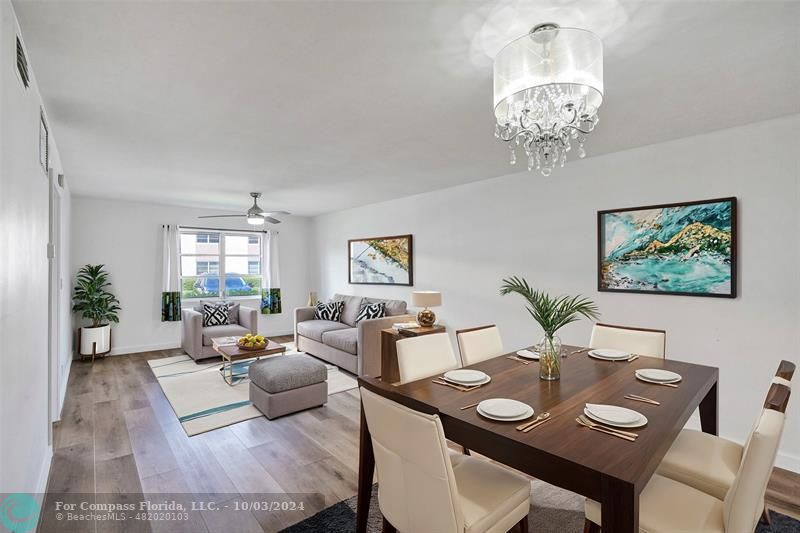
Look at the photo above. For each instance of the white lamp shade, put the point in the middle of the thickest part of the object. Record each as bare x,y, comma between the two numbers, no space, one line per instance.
255,221
568,60
426,298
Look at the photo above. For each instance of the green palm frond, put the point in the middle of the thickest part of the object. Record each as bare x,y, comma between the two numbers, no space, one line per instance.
552,313
90,297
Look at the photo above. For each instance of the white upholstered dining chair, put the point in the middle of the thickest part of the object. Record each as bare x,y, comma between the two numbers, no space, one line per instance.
422,487
479,344
667,506
424,356
710,463
641,341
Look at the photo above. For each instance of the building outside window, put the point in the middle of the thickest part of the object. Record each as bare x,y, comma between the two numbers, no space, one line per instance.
220,264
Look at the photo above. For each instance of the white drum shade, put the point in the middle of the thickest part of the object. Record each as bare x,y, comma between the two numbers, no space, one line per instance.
566,61
426,298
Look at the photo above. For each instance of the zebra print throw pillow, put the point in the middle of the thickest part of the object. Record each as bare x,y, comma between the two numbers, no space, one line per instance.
215,314
376,310
329,311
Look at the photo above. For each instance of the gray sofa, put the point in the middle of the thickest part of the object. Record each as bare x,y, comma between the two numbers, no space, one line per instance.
355,348
196,339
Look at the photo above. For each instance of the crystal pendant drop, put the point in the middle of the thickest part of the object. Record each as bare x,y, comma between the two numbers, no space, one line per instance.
581,151
513,159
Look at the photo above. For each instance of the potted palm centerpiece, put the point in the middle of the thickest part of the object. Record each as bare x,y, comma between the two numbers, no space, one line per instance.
93,301
552,314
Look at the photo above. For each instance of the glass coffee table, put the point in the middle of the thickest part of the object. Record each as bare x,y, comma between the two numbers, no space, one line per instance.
231,353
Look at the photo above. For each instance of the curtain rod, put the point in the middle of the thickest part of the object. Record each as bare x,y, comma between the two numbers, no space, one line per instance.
227,229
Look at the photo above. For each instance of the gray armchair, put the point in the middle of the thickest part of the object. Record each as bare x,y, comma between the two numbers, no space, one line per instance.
196,339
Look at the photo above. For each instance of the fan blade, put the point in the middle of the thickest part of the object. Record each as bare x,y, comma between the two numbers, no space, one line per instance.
222,216
272,220
277,213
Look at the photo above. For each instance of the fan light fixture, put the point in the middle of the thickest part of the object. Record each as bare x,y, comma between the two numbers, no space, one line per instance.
255,220
548,86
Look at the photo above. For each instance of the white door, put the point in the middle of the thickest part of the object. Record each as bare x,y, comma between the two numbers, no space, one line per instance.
54,256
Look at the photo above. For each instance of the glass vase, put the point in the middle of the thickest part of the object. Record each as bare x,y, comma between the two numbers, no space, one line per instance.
550,358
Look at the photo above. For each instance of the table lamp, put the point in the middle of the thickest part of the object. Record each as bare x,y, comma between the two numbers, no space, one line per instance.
426,318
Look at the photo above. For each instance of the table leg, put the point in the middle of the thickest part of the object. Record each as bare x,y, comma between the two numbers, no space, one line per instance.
619,507
366,468
709,413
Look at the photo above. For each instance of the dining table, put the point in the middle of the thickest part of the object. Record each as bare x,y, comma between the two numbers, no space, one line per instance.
561,452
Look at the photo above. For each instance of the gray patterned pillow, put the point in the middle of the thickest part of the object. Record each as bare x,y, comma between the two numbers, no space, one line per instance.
329,311
215,314
376,310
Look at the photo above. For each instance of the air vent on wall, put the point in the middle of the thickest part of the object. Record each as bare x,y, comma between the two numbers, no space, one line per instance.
22,65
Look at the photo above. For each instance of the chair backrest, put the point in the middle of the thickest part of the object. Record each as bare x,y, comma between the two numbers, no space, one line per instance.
479,344
744,502
640,341
425,355
416,486
784,374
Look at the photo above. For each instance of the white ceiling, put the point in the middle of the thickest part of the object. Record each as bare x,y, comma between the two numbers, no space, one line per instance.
331,104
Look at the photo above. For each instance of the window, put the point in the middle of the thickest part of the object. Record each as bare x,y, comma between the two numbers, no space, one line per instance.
220,264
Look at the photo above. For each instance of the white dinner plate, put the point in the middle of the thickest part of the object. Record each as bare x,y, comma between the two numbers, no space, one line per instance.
504,408
527,413
639,423
614,414
486,380
465,376
659,375
609,355
528,354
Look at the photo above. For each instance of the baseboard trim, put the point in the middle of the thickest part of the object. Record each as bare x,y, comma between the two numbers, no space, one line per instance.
788,462
44,472
139,348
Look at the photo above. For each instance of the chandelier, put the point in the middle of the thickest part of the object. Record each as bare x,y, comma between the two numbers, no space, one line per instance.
548,86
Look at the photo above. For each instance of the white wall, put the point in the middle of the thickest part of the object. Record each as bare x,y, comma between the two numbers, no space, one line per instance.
24,448
466,239
126,237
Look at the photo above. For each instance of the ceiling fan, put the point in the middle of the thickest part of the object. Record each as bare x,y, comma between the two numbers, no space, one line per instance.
255,215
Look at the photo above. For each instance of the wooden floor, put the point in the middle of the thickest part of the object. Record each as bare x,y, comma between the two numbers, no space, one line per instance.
119,434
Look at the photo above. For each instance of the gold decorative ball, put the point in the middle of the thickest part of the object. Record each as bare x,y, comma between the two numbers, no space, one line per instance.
426,318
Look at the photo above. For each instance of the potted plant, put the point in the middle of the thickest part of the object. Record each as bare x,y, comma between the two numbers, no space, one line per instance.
552,314
93,301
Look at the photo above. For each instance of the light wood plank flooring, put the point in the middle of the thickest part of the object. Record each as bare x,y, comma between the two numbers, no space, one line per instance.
118,433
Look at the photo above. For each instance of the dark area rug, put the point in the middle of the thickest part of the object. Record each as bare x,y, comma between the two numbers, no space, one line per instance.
554,511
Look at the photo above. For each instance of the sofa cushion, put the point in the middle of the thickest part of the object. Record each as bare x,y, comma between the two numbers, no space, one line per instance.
352,306
227,330
342,339
313,329
287,372
393,307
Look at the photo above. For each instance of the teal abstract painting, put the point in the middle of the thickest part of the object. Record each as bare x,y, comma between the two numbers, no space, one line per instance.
687,248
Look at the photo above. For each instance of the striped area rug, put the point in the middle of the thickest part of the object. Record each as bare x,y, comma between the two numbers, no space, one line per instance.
202,400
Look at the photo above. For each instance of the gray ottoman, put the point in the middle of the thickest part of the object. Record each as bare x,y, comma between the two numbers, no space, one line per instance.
287,384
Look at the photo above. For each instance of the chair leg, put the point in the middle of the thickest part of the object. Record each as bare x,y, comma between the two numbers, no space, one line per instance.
387,527
590,527
466,450
523,525
766,517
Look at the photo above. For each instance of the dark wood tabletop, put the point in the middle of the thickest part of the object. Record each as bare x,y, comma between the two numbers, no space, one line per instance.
610,470
232,352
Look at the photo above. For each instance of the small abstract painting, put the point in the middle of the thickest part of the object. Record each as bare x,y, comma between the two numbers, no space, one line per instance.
685,249
381,261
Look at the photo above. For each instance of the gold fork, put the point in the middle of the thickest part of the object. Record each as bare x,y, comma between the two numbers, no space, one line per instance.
454,386
542,417
588,422
603,429
517,359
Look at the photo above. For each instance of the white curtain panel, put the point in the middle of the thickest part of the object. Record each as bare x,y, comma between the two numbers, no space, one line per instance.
270,278
170,277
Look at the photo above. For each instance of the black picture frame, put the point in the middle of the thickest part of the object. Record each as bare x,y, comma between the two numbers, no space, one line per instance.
44,143
410,240
601,252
